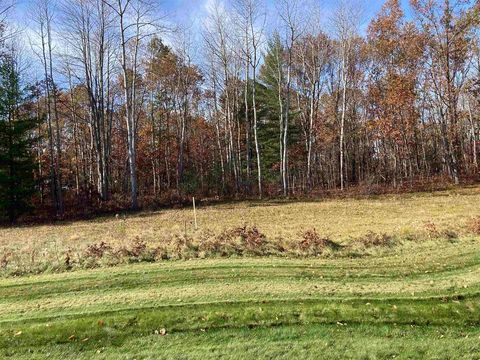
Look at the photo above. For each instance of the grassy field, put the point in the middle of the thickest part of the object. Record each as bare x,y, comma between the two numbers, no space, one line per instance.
404,283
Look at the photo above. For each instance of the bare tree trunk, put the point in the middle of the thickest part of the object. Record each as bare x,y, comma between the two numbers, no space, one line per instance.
44,19
473,136
129,84
255,124
247,117
287,117
342,122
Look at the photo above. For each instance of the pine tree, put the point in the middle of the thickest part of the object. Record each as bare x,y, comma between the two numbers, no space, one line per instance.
16,163
271,107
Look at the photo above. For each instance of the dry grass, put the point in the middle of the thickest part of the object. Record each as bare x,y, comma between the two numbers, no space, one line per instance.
245,228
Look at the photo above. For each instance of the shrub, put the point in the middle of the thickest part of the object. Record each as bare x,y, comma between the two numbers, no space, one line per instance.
176,247
434,233
313,244
97,251
137,252
244,240
251,238
372,239
224,244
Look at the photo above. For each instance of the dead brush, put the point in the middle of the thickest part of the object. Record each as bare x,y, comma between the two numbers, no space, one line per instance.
138,248
473,225
5,259
372,239
434,233
176,247
97,251
137,251
68,261
449,234
313,244
252,241
251,237
432,230
224,244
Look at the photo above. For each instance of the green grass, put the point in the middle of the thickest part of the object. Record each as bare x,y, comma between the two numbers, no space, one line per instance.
408,305
417,299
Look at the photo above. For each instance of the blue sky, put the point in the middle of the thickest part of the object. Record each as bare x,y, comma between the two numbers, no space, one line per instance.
185,12
188,11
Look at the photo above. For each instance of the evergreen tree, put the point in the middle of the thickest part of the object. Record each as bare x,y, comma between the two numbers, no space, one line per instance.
16,163
271,99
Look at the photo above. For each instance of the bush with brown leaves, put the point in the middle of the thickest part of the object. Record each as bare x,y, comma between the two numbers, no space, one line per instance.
224,244
434,233
97,251
372,239
314,244
138,251
244,241
251,237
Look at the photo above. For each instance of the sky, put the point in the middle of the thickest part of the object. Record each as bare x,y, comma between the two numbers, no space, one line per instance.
192,11
188,13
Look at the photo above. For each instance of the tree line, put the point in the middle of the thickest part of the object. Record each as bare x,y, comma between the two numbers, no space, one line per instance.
132,111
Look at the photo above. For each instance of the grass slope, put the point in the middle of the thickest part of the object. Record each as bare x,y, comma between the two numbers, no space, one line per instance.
45,248
408,305
417,299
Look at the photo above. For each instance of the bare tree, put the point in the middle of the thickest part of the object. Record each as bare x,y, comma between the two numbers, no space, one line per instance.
253,17
294,19
314,53
186,79
449,26
213,111
346,27
43,17
5,7
217,37
135,23
89,27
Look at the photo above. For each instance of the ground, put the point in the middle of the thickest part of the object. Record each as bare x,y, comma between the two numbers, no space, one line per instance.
404,283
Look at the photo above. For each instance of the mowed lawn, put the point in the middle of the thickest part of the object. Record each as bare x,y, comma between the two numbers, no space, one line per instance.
418,297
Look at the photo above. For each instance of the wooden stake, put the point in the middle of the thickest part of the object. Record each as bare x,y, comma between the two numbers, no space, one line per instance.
195,214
